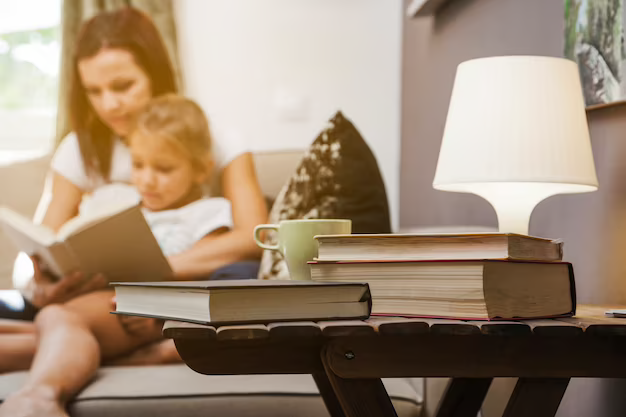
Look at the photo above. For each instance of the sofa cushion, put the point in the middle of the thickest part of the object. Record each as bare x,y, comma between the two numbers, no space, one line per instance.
337,178
175,390
273,168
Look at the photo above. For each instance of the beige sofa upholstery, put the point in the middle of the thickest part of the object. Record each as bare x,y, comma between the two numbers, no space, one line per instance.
176,390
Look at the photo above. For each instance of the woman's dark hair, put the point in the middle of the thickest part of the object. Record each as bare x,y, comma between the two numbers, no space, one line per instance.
127,29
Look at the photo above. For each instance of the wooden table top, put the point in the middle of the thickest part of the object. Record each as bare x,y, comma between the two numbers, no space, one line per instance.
589,320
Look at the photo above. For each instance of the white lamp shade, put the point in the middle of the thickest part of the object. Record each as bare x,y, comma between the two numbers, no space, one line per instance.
516,119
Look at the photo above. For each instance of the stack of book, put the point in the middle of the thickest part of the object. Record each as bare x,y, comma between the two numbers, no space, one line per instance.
471,276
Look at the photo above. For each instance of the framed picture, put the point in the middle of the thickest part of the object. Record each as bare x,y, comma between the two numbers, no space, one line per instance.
594,38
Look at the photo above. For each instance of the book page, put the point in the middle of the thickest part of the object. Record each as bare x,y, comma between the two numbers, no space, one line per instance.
95,216
26,235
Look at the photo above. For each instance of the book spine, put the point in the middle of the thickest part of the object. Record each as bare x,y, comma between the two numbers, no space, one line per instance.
572,287
367,296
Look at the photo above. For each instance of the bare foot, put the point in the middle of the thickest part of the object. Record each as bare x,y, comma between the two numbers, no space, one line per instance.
27,404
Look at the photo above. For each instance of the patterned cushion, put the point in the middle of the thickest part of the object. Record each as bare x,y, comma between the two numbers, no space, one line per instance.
337,178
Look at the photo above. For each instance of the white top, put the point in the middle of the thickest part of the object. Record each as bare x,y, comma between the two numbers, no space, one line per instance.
176,230
179,229
67,160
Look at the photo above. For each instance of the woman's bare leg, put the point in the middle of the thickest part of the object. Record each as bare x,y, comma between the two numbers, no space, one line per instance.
16,326
18,338
67,356
17,351
72,340
18,342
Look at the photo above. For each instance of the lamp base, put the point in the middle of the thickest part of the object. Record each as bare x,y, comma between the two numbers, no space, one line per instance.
514,205
515,201
513,218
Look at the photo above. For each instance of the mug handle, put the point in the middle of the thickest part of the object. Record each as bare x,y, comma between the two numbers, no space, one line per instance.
257,239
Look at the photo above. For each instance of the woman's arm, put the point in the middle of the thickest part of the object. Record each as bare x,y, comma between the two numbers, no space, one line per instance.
61,199
241,187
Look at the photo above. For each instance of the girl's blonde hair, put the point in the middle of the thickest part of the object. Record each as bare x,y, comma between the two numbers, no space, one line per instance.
181,122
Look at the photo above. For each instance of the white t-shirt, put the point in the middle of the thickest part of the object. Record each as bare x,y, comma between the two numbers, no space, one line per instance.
176,230
179,229
67,160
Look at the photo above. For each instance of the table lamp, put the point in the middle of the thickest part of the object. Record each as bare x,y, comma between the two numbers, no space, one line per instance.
516,133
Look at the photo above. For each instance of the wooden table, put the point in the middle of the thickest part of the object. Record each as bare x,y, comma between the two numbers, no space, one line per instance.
348,358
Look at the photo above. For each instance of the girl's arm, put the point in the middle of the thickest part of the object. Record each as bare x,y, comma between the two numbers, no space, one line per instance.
241,187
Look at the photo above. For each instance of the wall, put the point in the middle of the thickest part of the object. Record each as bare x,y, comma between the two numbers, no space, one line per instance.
469,29
239,54
592,225
278,69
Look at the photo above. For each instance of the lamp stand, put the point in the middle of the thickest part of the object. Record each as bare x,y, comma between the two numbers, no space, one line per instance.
513,207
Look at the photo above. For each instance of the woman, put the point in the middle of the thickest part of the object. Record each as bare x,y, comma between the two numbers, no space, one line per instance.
120,63
172,132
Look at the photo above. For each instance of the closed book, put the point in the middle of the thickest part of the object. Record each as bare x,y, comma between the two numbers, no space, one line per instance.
461,289
243,301
438,247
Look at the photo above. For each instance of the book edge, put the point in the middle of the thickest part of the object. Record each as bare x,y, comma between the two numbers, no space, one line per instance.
430,235
233,323
386,261
172,285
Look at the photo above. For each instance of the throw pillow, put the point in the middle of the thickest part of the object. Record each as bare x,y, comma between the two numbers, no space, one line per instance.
337,178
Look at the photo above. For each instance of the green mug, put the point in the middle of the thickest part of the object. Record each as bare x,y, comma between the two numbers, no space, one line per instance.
296,242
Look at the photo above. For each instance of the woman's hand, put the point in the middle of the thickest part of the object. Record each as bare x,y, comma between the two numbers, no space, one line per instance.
47,289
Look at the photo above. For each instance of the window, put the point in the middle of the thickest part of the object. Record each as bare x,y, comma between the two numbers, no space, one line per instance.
30,50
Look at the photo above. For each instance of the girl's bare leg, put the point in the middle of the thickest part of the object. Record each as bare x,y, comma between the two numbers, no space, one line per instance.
73,338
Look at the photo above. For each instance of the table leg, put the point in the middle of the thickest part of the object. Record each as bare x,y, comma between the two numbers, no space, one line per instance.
536,397
360,397
328,395
463,397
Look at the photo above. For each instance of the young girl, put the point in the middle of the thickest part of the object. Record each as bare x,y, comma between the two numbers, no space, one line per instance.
171,164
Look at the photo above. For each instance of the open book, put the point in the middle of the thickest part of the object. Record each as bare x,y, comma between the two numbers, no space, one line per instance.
115,241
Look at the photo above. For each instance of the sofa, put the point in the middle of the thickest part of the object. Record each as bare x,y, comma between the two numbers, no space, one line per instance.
170,390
